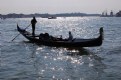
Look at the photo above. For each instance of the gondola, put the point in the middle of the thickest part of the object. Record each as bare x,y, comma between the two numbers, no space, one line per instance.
59,42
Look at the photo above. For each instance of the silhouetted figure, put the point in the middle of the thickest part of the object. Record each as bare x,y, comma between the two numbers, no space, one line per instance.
33,22
70,36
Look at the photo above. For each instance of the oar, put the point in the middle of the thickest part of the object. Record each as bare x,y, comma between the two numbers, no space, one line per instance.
19,33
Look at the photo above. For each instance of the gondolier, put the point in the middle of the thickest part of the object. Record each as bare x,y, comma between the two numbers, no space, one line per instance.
33,22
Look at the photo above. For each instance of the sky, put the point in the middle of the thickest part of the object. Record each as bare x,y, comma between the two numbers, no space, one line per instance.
58,6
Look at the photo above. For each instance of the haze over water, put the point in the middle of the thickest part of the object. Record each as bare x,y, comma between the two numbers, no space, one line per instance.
26,61
59,6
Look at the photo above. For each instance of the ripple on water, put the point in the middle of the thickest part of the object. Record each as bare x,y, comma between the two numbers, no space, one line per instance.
26,61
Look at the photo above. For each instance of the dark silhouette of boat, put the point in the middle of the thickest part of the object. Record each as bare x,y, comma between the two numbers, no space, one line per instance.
52,17
59,42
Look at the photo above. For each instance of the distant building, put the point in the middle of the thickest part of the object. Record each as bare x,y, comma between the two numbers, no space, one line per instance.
0,15
105,14
111,14
118,14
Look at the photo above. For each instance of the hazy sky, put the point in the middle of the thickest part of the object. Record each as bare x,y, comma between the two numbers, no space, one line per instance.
58,6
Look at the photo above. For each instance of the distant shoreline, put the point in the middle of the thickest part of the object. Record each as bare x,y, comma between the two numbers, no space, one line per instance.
46,15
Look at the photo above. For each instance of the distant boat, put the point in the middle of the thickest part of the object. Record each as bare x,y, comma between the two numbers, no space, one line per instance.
60,42
52,17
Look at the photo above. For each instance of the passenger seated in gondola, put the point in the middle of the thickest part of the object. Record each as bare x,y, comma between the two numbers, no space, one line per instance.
70,36
44,36
41,36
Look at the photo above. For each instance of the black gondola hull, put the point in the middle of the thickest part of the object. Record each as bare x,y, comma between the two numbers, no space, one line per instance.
62,43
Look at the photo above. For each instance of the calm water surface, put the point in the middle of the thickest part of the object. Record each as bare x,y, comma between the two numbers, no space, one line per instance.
21,60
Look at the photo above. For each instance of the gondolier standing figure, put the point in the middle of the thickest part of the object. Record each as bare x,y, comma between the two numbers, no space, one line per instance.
33,22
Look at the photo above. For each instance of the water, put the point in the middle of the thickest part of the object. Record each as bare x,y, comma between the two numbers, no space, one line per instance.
20,60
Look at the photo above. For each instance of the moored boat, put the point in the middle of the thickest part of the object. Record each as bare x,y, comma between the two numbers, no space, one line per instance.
59,42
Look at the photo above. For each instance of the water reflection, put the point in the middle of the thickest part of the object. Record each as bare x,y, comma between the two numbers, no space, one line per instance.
63,64
27,61
78,51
